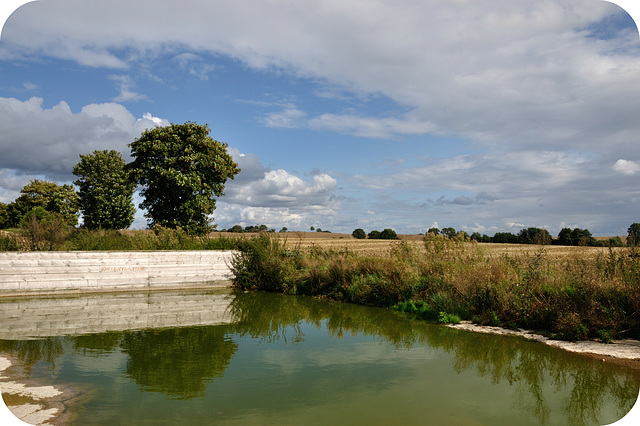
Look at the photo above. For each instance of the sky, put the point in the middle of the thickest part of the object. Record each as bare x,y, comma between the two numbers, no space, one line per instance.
483,115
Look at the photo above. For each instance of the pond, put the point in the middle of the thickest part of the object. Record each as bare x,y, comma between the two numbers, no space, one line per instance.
206,357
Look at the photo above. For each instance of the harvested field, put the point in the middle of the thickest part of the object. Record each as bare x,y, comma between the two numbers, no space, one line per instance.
307,241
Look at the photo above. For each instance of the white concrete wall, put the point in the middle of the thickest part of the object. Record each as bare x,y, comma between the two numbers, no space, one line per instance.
29,273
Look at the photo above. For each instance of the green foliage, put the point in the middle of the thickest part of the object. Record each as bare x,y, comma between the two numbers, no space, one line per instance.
260,263
573,298
534,236
359,234
45,230
445,318
388,234
106,191
434,231
505,238
159,239
633,235
49,196
180,168
576,237
5,220
8,243
374,235
449,232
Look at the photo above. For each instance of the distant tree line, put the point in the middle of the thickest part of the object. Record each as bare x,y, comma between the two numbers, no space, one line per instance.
533,235
386,234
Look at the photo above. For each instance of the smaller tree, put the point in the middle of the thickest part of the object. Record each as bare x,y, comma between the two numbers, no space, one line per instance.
564,237
434,231
633,235
5,221
534,236
449,232
374,235
51,197
359,234
388,234
505,237
106,191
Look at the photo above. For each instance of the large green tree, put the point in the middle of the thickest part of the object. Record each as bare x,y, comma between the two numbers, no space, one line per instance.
49,196
180,169
105,190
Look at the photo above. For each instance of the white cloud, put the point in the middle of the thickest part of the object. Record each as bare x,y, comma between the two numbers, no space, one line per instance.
48,141
288,117
548,106
124,84
195,65
626,167
511,72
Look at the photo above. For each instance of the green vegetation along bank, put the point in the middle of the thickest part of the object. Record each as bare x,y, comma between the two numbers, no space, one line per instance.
447,280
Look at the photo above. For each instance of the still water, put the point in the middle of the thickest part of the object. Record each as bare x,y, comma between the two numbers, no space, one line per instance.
209,357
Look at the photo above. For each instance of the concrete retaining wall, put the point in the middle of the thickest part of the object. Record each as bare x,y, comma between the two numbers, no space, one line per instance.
29,273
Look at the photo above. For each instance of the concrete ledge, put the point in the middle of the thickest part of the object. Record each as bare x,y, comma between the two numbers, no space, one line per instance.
33,273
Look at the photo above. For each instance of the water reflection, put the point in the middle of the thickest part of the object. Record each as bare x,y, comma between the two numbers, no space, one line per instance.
180,362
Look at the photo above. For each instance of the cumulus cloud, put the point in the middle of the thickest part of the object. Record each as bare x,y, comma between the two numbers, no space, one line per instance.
257,186
626,167
48,141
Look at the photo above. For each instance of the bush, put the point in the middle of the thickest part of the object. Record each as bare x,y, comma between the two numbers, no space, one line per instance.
359,234
388,234
374,235
8,243
45,230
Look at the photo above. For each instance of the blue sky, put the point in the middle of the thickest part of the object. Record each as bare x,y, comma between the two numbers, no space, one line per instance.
486,116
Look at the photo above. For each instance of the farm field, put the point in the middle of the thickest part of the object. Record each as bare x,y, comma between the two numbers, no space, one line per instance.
307,241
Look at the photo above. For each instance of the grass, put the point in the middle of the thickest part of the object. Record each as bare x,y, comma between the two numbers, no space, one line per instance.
574,294
82,239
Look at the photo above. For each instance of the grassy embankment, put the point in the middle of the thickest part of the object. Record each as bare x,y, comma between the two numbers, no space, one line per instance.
576,293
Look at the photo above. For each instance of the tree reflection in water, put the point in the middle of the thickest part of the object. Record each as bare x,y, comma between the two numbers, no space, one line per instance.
180,362
526,365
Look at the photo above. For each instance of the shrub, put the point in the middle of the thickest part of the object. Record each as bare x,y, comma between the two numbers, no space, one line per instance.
445,318
388,234
374,235
8,243
359,234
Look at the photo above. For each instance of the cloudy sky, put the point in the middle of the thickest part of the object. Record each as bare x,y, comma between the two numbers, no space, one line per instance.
482,115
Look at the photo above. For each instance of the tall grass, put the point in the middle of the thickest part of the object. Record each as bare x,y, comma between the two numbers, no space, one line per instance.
572,298
83,239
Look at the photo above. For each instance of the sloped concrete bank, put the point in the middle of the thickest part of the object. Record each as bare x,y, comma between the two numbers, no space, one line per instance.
42,273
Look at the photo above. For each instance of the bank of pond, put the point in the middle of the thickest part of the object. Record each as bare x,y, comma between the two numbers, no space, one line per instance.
444,280
234,357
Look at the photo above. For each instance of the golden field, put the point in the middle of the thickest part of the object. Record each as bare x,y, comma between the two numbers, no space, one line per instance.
307,241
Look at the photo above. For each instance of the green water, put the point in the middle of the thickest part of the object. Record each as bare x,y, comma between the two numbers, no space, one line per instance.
271,359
